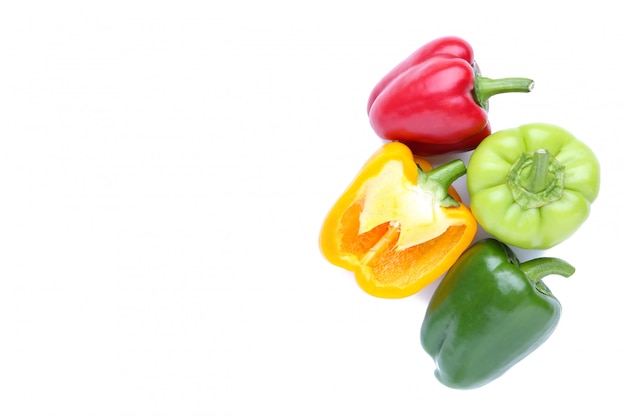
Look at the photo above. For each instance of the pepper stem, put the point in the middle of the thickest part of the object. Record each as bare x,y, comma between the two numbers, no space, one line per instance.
440,179
536,179
484,87
536,269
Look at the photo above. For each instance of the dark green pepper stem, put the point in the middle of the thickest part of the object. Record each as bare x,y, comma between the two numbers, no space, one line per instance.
440,179
536,269
485,87
536,179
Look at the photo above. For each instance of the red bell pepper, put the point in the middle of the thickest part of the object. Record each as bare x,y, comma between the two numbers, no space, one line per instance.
436,101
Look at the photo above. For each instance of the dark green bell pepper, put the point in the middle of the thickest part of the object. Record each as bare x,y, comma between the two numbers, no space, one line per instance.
488,313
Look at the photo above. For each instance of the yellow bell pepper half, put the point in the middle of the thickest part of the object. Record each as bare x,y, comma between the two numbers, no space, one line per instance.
400,225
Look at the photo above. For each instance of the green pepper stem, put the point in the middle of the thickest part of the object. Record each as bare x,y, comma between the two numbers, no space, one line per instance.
536,179
440,179
536,269
484,87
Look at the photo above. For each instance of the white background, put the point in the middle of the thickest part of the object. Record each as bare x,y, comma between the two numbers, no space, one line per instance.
165,168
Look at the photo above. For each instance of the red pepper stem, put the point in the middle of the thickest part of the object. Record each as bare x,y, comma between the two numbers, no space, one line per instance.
536,269
484,87
440,179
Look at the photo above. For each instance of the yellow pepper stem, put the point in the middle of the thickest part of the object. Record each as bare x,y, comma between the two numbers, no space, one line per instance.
439,180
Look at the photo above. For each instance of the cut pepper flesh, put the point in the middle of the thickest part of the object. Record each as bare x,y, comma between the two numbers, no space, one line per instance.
418,216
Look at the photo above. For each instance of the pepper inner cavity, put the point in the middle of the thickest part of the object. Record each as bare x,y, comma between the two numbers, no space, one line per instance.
386,240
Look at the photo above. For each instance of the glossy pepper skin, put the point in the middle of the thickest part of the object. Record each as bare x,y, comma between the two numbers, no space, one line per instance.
532,186
488,313
399,225
436,101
